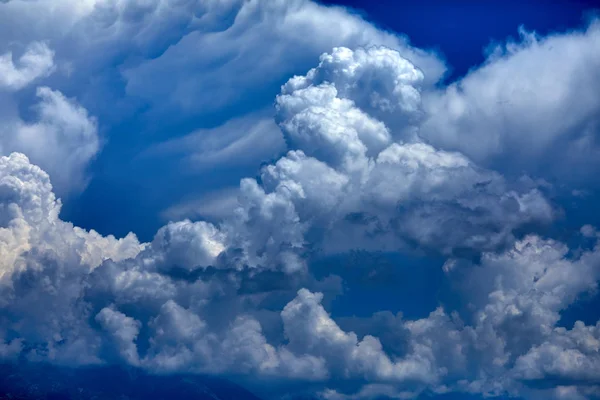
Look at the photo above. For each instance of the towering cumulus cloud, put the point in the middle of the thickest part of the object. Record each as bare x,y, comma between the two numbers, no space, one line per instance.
115,60
376,160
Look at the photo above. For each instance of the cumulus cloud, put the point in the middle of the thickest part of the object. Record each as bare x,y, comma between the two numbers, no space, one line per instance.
570,355
379,81
531,106
343,175
508,339
55,277
43,261
63,139
345,178
175,240
123,330
104,53
176,304
311,330
376,159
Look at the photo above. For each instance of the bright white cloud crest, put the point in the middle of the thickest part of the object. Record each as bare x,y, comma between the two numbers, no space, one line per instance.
534,102
376,160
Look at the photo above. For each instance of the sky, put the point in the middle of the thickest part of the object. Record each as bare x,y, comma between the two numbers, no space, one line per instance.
325,200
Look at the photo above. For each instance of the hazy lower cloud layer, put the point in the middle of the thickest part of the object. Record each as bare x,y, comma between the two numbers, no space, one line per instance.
366,153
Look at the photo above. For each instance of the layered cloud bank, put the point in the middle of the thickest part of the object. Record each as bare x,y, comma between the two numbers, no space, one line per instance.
183,303
376,159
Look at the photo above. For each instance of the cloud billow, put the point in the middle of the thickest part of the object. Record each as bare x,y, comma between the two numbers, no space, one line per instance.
378,160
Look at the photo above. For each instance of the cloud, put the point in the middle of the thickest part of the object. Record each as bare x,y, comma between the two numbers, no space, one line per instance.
175,304
509,338
379,81
570,355
342,163
43,262
123,330
196,54
346,178
77,275
239,142
311,330
208,43
302,25
376,159
37,61
175,240
215,206
531,106
63,139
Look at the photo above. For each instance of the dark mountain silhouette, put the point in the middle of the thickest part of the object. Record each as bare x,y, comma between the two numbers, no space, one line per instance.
34,381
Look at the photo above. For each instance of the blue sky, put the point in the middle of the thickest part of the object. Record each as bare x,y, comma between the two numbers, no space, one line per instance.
336,199
464,29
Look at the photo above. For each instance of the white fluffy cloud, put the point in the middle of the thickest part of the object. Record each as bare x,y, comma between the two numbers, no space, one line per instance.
345,177
380,82
43,261
37,61
103,54
509,339
570,355
531,106
311,330
377,159
63,139
176,304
